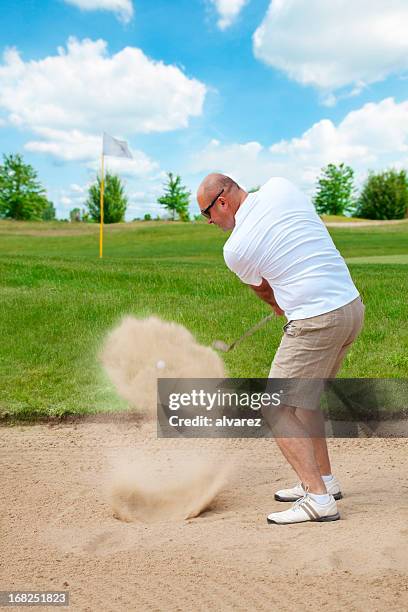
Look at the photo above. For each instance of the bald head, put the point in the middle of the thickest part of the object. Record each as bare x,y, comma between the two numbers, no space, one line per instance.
222,196
211,185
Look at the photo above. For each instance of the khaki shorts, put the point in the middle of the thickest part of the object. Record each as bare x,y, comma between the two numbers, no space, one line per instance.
316,347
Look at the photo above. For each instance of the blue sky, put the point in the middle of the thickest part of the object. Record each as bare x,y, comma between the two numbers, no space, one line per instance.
252,88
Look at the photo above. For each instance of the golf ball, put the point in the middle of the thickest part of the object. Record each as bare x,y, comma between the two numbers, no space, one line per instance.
160,364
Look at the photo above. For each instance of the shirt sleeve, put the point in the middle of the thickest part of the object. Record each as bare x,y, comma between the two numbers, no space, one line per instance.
243,268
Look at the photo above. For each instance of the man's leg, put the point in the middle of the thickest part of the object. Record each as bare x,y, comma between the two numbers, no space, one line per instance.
326,363
313,421
297,447
314,503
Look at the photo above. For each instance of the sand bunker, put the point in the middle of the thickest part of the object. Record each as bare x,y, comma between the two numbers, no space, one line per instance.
134,355
58,533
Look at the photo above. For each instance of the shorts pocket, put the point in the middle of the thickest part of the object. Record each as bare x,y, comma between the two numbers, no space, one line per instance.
292,328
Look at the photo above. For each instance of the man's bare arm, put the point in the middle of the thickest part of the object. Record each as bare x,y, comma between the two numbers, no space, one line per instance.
265,292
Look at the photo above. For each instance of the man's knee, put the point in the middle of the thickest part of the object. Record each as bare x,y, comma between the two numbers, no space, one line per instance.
273,415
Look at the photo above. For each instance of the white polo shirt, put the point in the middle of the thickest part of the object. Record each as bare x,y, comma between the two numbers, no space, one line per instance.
279,236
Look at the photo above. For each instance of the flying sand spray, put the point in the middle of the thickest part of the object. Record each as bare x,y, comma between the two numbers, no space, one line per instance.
134,355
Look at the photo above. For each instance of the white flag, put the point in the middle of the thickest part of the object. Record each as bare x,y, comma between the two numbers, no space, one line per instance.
115,147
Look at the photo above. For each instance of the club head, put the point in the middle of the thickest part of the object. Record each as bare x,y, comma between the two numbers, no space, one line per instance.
219,345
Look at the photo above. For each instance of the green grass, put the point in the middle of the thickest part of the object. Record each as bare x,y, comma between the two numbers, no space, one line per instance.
58,300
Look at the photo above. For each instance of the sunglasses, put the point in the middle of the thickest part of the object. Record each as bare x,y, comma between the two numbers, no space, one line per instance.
206,212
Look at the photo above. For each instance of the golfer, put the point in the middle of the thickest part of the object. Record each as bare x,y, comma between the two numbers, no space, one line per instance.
280,248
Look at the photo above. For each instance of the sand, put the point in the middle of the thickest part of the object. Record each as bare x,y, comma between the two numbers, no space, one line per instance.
161,488
58,531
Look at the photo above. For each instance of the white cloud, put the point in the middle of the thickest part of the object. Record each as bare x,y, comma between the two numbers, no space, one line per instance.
71,145
142,202
73,197
84,90
334,44
228,11
372,137
364,136
66,201
77,188
140,165
237,160
122,8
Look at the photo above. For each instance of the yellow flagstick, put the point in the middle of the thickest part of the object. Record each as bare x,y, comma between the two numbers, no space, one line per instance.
101,206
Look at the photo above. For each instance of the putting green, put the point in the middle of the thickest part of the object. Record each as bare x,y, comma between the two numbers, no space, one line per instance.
380,259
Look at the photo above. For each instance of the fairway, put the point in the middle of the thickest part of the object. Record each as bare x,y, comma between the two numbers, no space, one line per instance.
380,259
58,301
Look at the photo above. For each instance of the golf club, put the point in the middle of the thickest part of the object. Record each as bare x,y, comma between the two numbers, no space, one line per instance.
219,345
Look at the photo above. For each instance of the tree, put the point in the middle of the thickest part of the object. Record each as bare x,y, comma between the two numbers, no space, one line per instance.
335,190
384,196
85,218
75,215
21,194
175,199
114,203
49,212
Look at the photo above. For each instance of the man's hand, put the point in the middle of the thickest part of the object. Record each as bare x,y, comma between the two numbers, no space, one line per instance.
265,292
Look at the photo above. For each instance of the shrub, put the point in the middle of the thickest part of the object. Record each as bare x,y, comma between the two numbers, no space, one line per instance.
384,196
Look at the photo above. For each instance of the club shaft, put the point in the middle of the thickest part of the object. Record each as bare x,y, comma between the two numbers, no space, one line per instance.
252,330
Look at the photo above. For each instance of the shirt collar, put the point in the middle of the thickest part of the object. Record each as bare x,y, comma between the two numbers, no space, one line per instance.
244,209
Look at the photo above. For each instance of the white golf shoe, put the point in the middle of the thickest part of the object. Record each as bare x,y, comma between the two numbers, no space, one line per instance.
306,509
296,492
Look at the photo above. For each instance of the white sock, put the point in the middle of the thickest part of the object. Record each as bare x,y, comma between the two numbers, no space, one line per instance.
327,477
320,499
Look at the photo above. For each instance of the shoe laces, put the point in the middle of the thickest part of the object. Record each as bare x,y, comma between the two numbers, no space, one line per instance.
299,502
